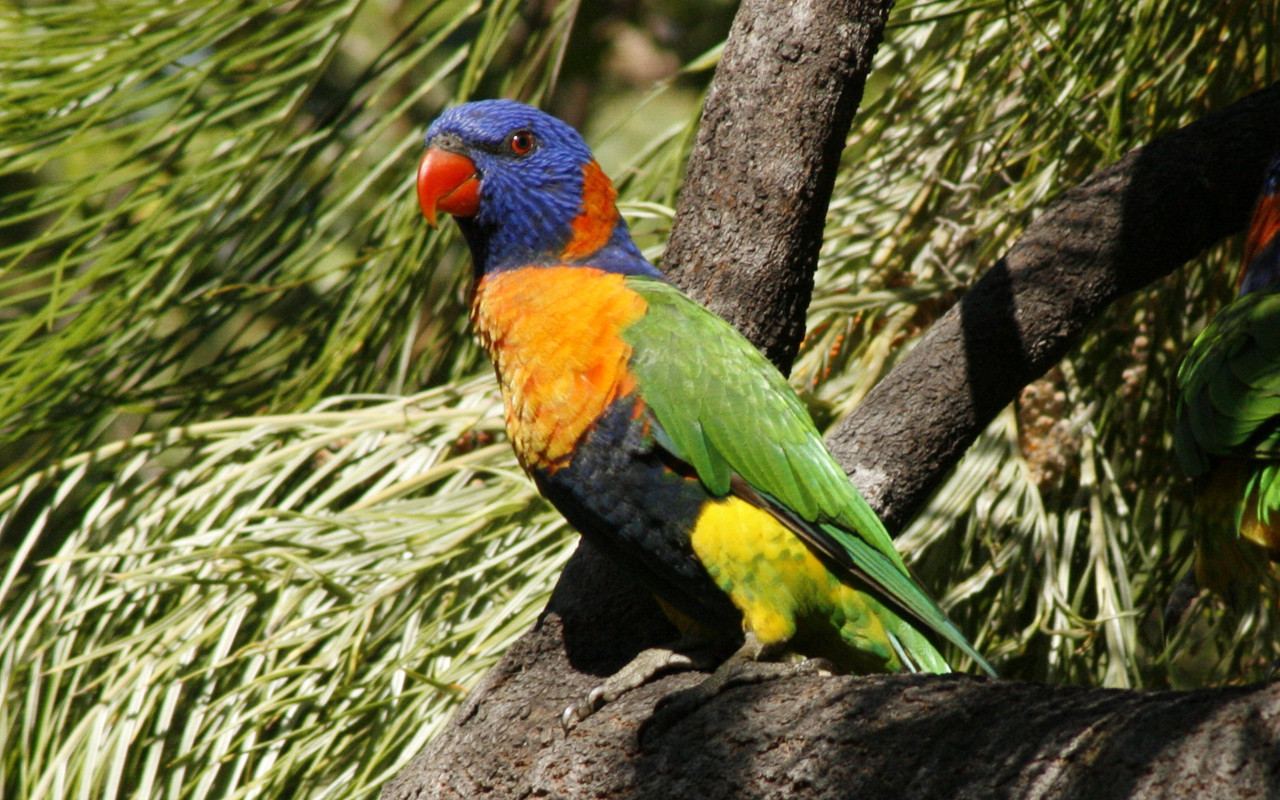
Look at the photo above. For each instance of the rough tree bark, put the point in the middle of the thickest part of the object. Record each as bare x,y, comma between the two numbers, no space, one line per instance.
899,737
885,736
749,223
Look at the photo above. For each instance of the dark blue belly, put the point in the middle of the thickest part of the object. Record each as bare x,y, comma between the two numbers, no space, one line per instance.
627,497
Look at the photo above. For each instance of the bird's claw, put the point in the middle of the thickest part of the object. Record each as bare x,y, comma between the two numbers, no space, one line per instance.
642,669
595,700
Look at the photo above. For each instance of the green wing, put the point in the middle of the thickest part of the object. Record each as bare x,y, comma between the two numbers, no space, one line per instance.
1229,399
1229,387
724,409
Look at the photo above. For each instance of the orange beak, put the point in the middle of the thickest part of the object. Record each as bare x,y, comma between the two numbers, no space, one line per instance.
447,182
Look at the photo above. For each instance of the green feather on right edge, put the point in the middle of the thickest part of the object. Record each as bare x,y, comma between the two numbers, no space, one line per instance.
1230,386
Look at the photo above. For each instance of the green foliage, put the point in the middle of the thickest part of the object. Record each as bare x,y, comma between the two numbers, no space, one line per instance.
237,562
225,188
268,606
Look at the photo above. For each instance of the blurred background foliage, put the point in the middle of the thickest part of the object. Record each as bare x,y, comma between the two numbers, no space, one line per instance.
259,525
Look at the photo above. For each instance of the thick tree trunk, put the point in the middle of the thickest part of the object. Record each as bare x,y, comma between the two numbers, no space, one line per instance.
900,736
749,224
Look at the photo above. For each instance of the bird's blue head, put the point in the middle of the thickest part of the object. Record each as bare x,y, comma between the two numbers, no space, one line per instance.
1262,246
525,190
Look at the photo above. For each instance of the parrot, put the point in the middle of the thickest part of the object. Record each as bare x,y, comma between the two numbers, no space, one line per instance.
1227,423
657,430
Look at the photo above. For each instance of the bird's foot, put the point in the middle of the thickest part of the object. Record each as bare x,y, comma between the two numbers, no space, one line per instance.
643,668
739,670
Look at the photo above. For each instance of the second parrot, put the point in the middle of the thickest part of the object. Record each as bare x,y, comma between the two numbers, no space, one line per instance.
1228,420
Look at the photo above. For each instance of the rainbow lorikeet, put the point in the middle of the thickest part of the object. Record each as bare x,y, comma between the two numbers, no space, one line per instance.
659,432
1228,419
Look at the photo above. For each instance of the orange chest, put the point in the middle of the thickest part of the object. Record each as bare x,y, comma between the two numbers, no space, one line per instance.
554,336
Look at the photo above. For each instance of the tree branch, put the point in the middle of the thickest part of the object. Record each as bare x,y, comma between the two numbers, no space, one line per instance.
891,737
1125,226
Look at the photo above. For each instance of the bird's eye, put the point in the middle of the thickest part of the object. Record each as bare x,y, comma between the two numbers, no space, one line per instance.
523,142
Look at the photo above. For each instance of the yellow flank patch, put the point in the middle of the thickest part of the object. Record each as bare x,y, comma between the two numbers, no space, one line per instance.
785,593
553,336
